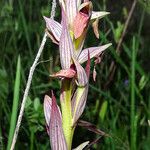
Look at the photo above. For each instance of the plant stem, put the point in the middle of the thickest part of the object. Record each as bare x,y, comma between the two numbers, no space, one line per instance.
66,112
31,140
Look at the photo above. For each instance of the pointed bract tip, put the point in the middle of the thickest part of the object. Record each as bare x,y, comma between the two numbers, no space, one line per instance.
82,146
99,14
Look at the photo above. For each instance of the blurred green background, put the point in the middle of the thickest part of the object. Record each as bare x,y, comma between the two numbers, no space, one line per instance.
120,109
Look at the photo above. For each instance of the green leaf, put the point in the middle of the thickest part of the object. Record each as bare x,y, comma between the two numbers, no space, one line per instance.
36,103
15,103
103,110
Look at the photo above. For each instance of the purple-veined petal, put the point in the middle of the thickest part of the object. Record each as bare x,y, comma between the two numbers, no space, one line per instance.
94,51
78,102
51,36
98,14
82,19
81,146
54,27
71,10
66,47
87,68
80,24
56,134
47,108
66,73
81,74
80,96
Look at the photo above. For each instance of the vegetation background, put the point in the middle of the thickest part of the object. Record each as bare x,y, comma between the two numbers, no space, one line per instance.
120,108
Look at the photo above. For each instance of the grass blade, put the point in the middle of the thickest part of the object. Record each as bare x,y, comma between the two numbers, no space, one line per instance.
132,113
15,104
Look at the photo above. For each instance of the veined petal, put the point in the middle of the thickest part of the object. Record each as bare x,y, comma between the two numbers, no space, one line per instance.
56,134
81,146
65,45
66,73
82,19
87,68
71,10
94,51
98,14
53,27
80,96
47,108
81,74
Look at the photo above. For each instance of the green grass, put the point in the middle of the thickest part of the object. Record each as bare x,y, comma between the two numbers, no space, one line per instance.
15,103
133,98
122,111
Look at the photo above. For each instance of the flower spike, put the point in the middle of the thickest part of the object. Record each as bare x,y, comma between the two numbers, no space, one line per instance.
70,36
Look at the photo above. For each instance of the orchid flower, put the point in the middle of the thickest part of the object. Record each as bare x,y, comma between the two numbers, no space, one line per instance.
70,35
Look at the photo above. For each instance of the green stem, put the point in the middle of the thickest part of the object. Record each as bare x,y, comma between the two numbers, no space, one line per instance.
31,140
66,112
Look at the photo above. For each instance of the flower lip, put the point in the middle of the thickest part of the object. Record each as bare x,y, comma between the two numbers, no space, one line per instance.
65,73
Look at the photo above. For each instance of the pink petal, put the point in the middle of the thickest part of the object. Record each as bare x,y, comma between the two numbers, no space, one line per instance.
81,20
71,10
54,27
94,51
80,24
57,138
65,45
66,73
